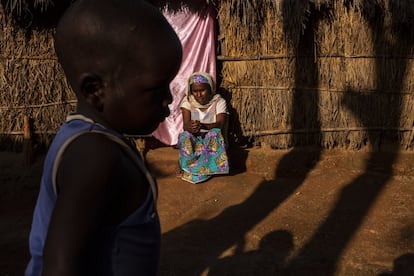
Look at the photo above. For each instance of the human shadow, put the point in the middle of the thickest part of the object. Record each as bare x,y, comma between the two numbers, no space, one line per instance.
197,245
403,266
268,259
322,252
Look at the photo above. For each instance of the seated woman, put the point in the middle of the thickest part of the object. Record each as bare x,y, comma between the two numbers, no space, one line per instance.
201,144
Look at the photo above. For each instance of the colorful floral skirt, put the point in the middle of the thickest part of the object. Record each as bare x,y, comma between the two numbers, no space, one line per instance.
202,156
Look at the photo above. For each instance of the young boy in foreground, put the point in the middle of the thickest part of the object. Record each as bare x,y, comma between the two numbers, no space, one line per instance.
96,209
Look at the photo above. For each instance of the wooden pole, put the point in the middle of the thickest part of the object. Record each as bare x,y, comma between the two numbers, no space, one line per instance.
27,142
140,145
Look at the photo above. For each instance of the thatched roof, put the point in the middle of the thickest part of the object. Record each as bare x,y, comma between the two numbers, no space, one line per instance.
45,13
31,14
250,12
19,6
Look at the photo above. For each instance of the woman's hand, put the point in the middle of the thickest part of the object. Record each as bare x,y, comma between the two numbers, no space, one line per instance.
192,126
195,126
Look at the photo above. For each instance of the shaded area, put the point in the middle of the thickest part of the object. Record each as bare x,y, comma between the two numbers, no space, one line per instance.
235,136
237,160
19,188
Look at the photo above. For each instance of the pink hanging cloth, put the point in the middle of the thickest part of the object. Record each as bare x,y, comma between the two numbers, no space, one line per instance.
197,33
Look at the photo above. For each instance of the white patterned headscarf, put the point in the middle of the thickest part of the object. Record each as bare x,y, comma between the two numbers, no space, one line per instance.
201,77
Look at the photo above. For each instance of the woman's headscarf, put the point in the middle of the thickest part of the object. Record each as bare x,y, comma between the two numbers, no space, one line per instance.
201,77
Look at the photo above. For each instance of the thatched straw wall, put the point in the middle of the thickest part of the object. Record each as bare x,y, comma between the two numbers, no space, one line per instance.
31,83
327,73
331,73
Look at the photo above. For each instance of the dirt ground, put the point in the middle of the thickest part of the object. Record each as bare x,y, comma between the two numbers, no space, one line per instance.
296,212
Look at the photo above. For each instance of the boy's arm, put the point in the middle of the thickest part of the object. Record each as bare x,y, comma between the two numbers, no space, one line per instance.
85,182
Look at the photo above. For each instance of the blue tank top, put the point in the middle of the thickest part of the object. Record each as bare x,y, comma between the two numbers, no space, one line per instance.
130,248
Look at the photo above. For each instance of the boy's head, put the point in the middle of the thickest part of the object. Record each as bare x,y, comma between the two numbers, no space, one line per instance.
119,57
